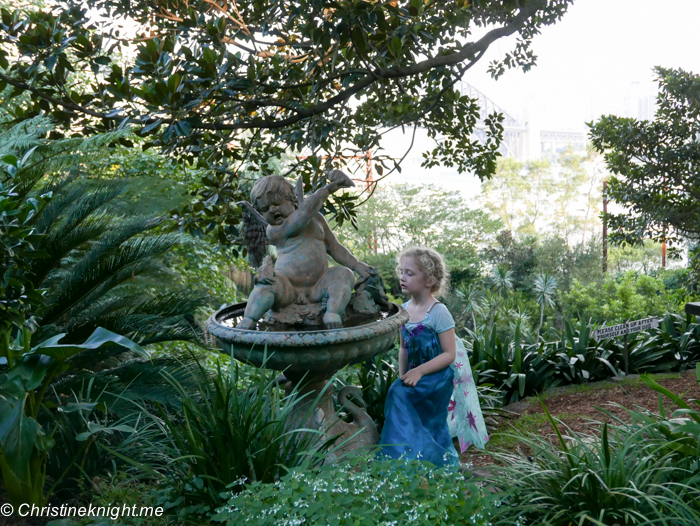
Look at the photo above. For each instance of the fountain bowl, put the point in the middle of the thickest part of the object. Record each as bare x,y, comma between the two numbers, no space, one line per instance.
317,352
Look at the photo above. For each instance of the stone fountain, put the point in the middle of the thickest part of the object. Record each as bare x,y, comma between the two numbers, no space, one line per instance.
303,316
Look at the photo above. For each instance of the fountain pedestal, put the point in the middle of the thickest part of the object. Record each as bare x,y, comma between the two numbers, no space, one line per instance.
309,359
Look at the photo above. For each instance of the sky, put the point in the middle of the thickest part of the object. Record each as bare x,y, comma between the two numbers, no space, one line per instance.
588,60
585,68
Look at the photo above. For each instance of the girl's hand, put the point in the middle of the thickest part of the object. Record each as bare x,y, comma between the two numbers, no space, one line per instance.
412,377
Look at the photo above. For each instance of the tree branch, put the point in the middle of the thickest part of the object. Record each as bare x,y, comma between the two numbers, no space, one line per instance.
469,50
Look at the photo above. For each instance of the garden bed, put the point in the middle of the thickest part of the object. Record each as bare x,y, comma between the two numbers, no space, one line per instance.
576,406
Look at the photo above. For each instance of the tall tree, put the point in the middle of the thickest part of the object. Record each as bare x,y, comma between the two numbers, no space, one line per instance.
519,194
400,215
238,83
655,165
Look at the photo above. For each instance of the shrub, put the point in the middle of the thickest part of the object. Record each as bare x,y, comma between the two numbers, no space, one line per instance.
361,493
375,377
515,369
625,296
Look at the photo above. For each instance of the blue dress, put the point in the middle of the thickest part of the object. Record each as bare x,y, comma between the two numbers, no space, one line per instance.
416,417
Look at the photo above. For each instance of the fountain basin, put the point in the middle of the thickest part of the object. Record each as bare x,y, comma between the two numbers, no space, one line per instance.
319,352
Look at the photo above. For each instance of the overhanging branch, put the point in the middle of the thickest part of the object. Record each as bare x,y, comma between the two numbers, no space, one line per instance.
470,52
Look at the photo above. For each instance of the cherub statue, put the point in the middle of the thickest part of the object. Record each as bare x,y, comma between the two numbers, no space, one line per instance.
302,236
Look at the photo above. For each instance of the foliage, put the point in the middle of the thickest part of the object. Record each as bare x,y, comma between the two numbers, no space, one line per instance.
654,165
17,291
27,374
95,267
237,86
518,369
470,303
679,431
545,289
537,197
91,254
644,258
581,360
129,492
674,346
582,261
400,215
518,193
517,255
224,436
91,441
375,377
359,492
621,477
622,297
514,369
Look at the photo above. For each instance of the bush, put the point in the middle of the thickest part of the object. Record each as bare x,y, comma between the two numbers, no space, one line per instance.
625,296
514,369
361,493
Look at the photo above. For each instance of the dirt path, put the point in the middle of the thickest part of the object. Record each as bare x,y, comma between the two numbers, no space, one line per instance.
576,407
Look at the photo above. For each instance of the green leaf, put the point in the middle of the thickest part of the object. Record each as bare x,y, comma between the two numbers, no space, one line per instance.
31,371
10,159
396,45
75,406
173,82
96,340
17,437
44,442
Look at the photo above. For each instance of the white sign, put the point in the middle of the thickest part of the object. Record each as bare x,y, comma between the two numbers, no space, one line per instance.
625,328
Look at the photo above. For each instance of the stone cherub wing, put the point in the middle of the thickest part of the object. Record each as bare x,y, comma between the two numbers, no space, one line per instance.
254,235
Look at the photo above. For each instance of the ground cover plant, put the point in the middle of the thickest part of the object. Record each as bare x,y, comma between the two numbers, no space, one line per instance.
362,492
579,408
606,463
224,436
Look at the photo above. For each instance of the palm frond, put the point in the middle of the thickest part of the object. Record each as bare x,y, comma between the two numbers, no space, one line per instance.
103,267
163,317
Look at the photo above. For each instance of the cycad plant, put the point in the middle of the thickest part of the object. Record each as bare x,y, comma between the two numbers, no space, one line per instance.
545,289
98,267
74,266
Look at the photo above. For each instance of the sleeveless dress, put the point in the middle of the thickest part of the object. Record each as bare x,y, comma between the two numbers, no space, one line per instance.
421,420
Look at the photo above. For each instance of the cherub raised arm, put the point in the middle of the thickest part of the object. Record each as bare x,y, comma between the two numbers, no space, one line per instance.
303,238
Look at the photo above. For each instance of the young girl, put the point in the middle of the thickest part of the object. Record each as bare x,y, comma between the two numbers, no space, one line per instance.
435,397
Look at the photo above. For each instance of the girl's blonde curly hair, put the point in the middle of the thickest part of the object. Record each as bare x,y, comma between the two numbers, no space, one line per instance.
431,263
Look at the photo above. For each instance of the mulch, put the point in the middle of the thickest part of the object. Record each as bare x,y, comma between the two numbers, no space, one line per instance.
576,407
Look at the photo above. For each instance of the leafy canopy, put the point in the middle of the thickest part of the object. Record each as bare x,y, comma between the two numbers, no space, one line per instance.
237,84
655,165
